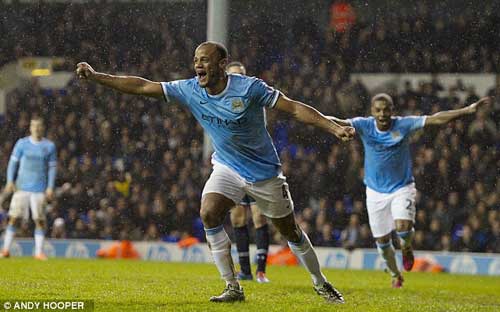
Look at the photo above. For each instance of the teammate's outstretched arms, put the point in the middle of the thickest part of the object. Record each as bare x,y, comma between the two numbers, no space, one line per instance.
309,115
444,117
126,84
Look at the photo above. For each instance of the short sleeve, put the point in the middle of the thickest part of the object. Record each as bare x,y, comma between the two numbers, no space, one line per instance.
359,123
413,123
262,94
174,91
17,153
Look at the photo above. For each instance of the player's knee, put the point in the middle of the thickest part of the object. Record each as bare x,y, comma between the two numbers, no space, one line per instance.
211,216
214,208
40,224
384,239
14,221
259,221
238,217
207,217
238,221
403,225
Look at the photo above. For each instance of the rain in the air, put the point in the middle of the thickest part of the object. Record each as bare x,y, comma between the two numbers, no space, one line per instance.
171,147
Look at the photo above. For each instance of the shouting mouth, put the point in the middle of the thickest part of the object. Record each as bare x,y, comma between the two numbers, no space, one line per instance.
202,75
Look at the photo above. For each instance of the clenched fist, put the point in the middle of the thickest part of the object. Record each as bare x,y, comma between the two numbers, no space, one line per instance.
345,133
84,70
474,107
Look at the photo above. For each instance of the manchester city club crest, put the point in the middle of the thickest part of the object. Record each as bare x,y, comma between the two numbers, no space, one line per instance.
237,105
395,134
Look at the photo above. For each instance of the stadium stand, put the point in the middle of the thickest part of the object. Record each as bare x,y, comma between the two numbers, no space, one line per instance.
132,169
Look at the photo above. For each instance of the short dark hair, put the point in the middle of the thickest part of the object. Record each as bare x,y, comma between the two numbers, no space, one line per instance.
221,49
235,63
382,97
37,118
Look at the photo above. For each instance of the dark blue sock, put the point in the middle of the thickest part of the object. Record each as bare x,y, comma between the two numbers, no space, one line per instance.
242,244
262,242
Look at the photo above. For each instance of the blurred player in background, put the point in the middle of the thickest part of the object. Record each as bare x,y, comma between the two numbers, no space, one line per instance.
239,222
390,186
31,175
230,108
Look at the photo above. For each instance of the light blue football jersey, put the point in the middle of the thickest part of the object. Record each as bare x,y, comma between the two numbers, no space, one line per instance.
235,121
388,163
35,164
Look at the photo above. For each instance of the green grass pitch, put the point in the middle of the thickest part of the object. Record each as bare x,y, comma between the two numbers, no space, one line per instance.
155,286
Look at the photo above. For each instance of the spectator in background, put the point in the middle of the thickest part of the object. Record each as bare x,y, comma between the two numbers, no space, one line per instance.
351,235
122,183
482,130
466,242
58,230
493,244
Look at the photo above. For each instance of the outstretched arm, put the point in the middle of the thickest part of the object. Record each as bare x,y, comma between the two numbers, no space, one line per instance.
309,115
444,117
341,122
126,84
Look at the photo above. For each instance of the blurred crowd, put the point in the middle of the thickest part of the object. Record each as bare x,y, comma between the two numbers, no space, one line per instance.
132,168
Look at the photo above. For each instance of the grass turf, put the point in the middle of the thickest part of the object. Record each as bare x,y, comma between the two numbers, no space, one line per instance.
156,286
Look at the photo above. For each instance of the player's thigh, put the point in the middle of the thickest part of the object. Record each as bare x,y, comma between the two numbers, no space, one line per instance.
379,215
226,182
19,205
37,204
272,196
403,205
239,215
259,220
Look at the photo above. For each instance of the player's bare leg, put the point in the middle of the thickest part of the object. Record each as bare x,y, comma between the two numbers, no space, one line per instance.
301,246
39,238
262,242
214,208
242,237
404,229
10,232
388,253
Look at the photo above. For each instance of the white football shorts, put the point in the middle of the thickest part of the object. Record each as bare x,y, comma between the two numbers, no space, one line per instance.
384,208
22,201
272,196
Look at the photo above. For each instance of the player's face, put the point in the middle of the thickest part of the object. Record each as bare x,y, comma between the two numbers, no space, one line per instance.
382,111
236,70
36,128
208,65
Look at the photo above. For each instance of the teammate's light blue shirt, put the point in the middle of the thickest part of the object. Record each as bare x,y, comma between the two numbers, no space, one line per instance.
388,164
235,121
37,163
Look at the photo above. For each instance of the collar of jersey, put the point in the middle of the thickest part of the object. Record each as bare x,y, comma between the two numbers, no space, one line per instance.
223,91
386,131
34,142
